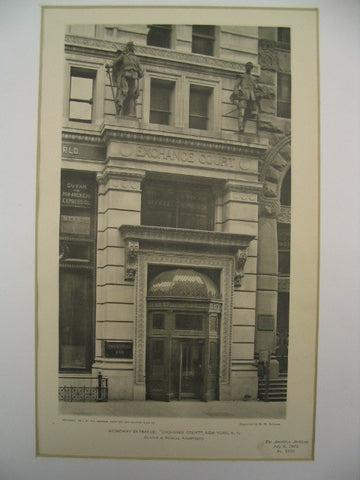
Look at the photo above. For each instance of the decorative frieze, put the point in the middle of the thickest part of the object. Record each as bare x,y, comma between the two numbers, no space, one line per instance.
105,49
227,241
165,140
122,179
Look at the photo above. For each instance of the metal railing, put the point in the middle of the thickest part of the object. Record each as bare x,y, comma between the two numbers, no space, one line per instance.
83,393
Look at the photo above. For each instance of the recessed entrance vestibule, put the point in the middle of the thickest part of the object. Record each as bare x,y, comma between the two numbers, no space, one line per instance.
183,330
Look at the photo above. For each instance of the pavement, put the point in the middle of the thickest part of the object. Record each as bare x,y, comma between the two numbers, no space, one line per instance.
183,409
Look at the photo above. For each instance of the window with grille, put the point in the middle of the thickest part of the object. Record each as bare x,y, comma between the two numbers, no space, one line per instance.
199,107
81,95
159,36
203,39
161,101
284,95
177,205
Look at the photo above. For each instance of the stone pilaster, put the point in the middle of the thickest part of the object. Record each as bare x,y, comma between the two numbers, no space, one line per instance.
119,203
267,281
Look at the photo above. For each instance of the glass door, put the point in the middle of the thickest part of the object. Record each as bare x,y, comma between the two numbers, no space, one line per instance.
187,368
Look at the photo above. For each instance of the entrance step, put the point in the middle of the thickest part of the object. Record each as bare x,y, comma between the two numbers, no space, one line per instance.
273,390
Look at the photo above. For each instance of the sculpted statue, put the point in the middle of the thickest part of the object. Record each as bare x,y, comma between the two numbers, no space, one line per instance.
244,96
125,74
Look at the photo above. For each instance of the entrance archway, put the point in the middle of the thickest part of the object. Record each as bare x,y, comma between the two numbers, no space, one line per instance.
183,325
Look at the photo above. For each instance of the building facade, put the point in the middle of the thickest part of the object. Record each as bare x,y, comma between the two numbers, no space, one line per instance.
175,211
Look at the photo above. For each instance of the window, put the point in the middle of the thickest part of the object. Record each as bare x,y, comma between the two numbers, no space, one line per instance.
177,205
285,196
77,270
284,248
199,107
81,95
188,322
203,39
283,35
161,101
158,321
159,36
284,95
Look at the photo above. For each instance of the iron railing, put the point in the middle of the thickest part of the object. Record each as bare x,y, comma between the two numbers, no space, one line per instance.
71,393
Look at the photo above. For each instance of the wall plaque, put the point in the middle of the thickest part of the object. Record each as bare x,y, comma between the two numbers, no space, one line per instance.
118,349
265,322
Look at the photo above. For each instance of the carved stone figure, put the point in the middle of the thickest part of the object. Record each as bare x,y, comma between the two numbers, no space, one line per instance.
244,96
125,74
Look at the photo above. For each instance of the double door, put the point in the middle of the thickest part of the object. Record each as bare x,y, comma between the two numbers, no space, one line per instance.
181,368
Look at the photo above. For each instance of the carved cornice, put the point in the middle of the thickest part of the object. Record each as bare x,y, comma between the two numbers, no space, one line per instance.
242,187
226,241
121,174
106,49
210,145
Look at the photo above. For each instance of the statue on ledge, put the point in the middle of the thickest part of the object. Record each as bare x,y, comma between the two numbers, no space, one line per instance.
125,74
245,97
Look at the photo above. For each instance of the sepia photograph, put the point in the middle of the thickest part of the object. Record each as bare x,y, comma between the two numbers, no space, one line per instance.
172,190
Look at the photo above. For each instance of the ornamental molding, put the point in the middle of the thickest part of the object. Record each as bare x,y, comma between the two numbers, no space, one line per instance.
80,137
276,164
120,176
219,146
234,186
168,235
283,284
106,49
285,214
183,260
240,261
274,56
119,133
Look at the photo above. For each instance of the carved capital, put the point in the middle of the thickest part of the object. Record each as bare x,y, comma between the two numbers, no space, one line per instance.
131,256
121,179
269,207
240,261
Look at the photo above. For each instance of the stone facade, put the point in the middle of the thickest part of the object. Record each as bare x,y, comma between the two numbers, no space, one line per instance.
242,171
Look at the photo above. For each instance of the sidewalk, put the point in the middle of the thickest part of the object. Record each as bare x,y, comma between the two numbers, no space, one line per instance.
184,409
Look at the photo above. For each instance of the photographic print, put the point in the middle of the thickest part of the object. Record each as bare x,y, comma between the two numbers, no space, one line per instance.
177,301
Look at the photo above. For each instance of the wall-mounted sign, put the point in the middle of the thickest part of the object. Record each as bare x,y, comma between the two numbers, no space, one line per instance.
83,151
74,225
118,349
77,190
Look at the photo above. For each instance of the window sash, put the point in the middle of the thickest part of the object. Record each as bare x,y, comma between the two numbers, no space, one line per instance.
171,205
81,96
161,92
159,36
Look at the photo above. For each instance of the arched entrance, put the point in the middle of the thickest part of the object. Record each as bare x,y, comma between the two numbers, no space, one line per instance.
183,324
